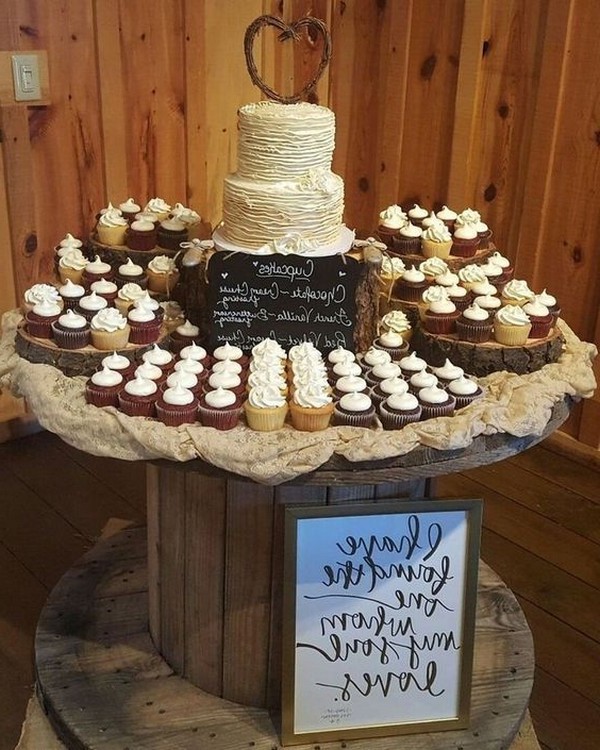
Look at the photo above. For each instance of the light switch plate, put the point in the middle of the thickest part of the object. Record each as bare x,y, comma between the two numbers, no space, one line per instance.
26,78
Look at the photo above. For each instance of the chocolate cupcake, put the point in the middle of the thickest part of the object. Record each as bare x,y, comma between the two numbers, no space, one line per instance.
71,294
508,271
171,233
474,325
96,270
71,331
176,406
220,409
417,214
392,343
343,370
436,402
373,356
91,304
138,397
131,273
407,240
483,288
185,334
354,410
103,388
398,410
391,220
441,317
129,209
465,241
381,372
39,320
410,286
448,216
465,391
141,235
484,233
461,297
488,302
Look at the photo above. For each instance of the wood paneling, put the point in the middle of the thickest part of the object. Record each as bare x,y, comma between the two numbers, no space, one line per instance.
490,103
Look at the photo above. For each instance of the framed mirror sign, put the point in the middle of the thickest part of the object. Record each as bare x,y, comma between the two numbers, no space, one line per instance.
379,618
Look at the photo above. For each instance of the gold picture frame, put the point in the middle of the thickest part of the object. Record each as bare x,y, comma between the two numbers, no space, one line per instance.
378,618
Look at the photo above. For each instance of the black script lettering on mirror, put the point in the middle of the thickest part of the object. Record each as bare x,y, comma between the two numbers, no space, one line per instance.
289,298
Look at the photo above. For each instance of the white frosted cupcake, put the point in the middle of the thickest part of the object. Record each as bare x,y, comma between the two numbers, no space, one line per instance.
220,409
398,410
265,408
311,408
138,397
391,342
511,326
354,410
71,331
102,389
162,274
176,406
465,391
389,387
447,372
420,380
127,296
109,329
411,364
436,402
39,293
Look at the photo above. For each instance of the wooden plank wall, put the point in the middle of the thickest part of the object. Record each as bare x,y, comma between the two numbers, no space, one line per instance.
486,103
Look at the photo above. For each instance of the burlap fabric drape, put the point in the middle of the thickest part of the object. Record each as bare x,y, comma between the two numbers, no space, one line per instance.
515,404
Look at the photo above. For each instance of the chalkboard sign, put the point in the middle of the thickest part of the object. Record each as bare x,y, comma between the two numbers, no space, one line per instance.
286,297
379,618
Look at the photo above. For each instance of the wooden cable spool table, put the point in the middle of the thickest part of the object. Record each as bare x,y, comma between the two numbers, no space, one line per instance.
173,639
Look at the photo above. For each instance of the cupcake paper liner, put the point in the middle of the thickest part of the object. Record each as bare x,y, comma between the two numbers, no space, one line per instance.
265,420
475,334
511,335
540,328
174,416
441,324
141,334
70,339
110,340
102,396
136,407
342,417
310,420
431,411
220,419
396,420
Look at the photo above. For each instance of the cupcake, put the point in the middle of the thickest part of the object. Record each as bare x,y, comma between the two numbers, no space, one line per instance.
446,279
144,326
388,387
184,379
109,330
336,356
411,364
131,273
71,331
229,366
91,304
176,406
483,289
349,384
145,300
392,343
441,316
484,233
225,380
138,397
95,271
390,221
68,242
102,389
148,371
106,289
265,408
149,217
391,270
159,357
551,303
433,293
39,320
540,317
465,241
474,325
195,352
493,272
120,364
408,240
416,214
436,241
171,233
111,228
436,402
196,368
190,219
129,209
354,410
447,373
71,265
184,335
465,391
40,293
516,292
228,351
511,326
410,286
220,409
489,302
448,216
127,295
141,235
162,274
398,410
467,217
159,208
373,356
504,263
311,408
432,221
461,297
71,294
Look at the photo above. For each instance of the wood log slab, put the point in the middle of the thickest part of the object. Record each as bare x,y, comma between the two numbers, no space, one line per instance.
103,684
483,359
454,262
72,362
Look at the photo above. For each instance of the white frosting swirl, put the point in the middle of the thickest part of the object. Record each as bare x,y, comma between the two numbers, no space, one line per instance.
148,371
446,279
162,265
228,380
141,315
402,402
442,306
393,385
193,351
157,206
536,309
46,309
475,312
423,379
483,289
266,396
106,378
468,216
433,395
512,315
103,286
434,267
112,218
73,259
437,233
390,340
73,320
396,320
178,396
188,329
93,302
71,290
465,232
70,241
98,267
220,398
183,379
355,402
129,206
157,356
140,386
227,351
186,215
189,365
142,225
227,365
448,371
375,356
413,275
471,274
546,299
499,260
340,354
40,292
350,383
393,217
131,292
517,290
463,386
109,320
312,396
417,213
129,268
386,370
116,361
342,369
412,363
488,302
268,346
410,231
446,214
434,294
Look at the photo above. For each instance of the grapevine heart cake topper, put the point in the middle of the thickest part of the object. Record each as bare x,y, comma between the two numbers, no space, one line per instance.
288,31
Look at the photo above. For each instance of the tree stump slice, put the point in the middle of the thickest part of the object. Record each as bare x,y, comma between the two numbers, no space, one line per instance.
483,359
102,682
72,362
454,262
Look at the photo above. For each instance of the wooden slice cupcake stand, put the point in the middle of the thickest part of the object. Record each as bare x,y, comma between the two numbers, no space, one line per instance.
171,639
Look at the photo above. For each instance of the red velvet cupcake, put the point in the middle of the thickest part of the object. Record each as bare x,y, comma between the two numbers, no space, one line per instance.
410,286
105,289
39,320
144,325
465,241
474,325
220,409
103,388
138,397
96,270
541,319
141,235
177,406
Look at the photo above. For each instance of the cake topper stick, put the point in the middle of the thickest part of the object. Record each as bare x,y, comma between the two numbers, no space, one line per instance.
288,31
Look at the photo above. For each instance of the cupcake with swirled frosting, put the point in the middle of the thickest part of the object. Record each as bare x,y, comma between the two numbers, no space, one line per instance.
127,296
382,372
408,240
311,407
447,372
448,216
158,207
109,330
416,214
516,292
102,388
373,356
176,406
392,268
354,410
111,227
184,335
159,357
91,304
190,218
70,294
412,363
121,364
436,241
511,326
71,265
129,208
38,293
551,303
387,387
220,409
398,322
106,289
398,410
433,293
162,274
265,408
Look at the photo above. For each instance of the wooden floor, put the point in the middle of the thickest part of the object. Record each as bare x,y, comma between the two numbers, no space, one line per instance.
542,535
